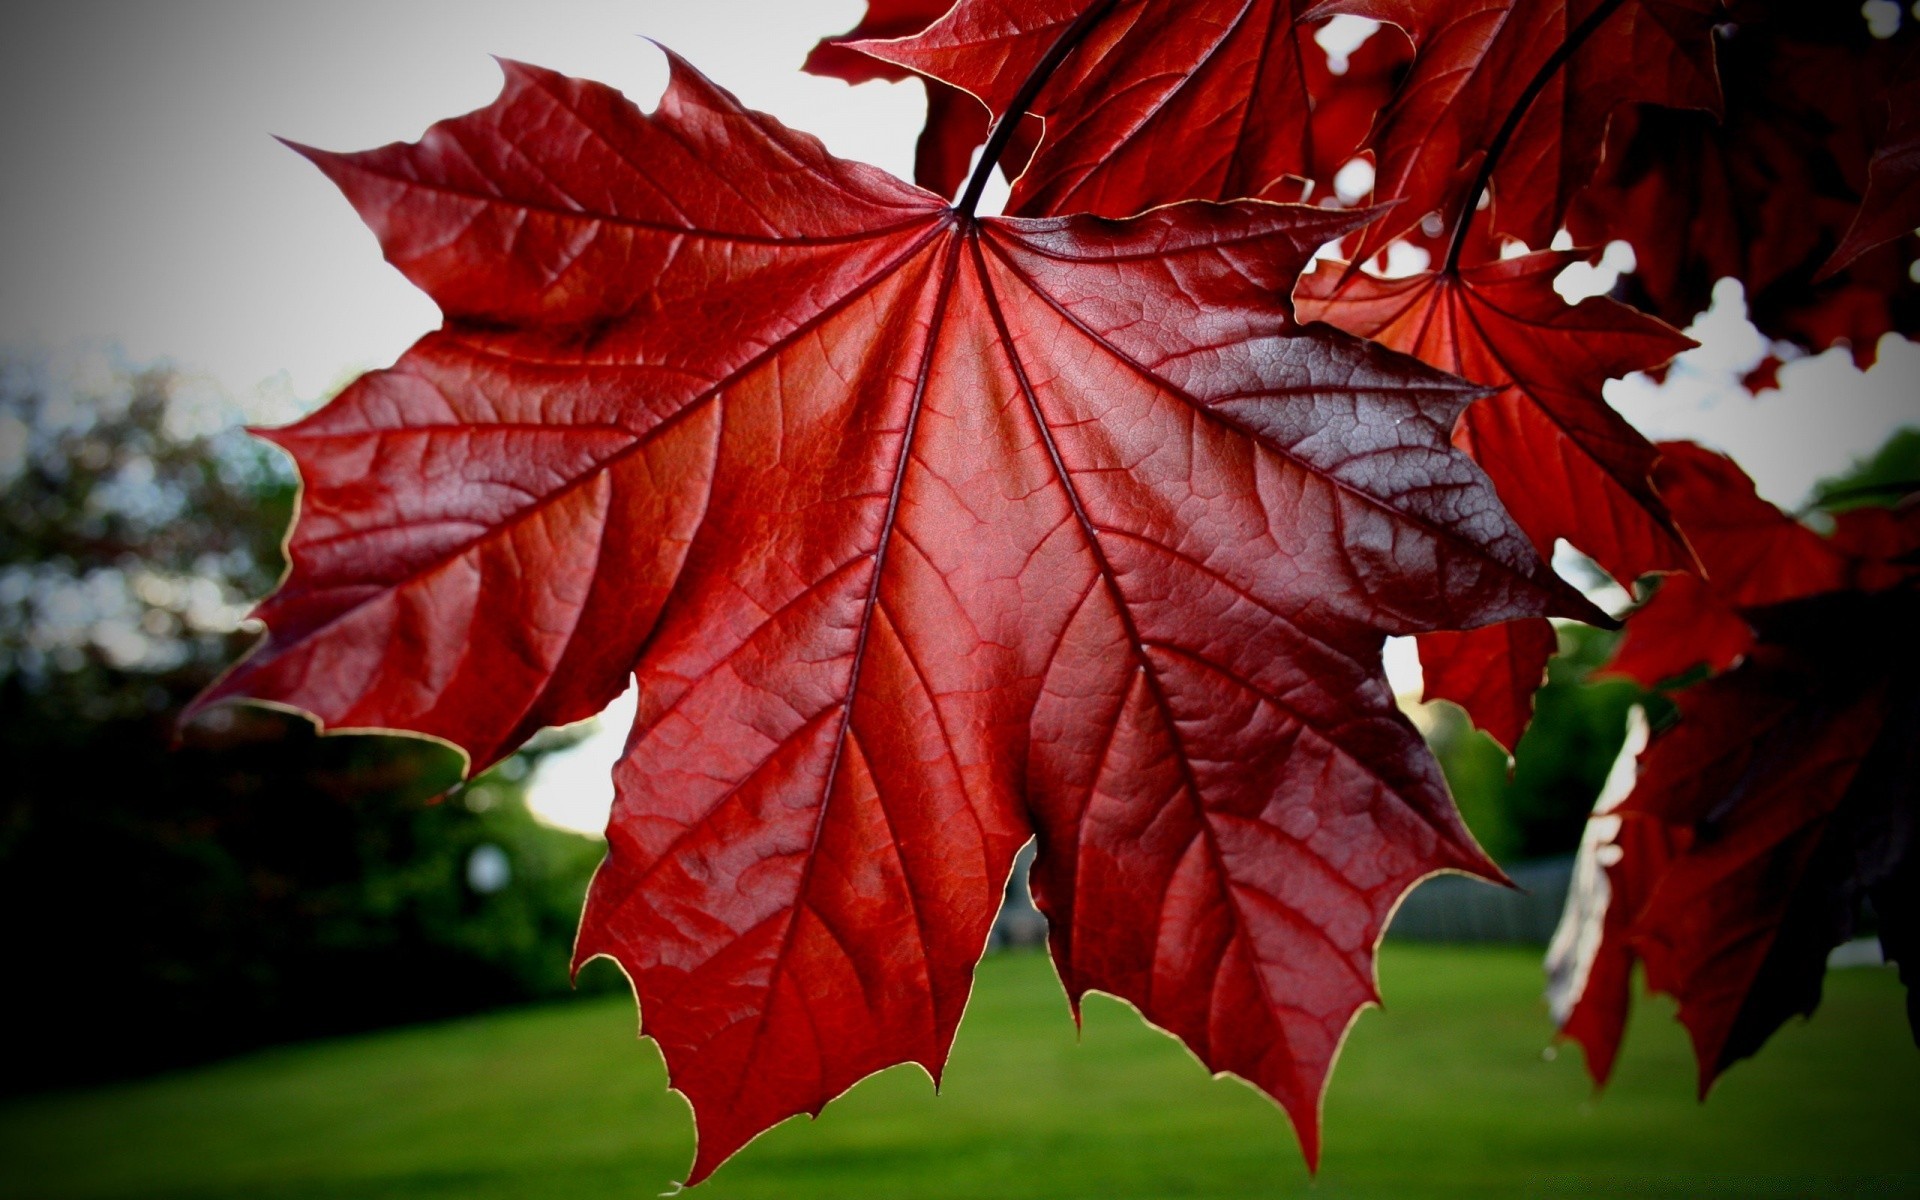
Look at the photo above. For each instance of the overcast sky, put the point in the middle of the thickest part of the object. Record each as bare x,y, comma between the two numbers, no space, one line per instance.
145,205
146,202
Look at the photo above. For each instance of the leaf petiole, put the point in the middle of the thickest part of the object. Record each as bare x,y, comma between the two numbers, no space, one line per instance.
1575,39
1003,128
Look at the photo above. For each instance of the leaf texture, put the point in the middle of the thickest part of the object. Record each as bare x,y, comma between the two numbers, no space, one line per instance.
921,535
1566,465
1240,86
1556,69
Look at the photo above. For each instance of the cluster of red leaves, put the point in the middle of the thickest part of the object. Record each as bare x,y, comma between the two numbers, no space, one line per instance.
1784,793
923,534
1820,116
1563,461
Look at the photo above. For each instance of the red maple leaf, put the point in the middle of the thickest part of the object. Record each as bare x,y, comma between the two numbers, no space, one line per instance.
956,122
1784,794
1685,624
1565,464
921,534
1492,673
1767,195
1217,65
1513,97
1752,553
1241,88
1891,207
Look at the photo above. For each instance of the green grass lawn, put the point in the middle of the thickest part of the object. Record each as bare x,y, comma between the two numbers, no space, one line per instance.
1445,1093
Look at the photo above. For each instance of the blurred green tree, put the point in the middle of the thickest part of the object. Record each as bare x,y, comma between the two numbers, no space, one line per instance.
257,882
1536,805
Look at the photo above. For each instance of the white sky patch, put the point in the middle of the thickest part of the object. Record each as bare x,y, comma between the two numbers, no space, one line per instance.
1825,415
1341,36
573,788
1402,661
1353,181
1581,280
146,203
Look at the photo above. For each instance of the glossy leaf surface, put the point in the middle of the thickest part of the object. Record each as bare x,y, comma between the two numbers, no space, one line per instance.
921,535
1239,86
1563,461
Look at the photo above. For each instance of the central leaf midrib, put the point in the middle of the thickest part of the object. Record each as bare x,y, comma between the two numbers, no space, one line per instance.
1123,610
869,609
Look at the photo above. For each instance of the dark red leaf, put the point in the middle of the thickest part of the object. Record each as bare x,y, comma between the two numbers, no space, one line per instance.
1491,672
1881,546
1684,626
1766,196
1785,795
1765,376
1236,85
1563,65
1784,824
956,122
920,534
1565,463
1753,554
1891,207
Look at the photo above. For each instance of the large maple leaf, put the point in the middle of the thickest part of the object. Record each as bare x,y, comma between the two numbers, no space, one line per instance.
921,534
1239,85
1785,793
1515,96
1565,464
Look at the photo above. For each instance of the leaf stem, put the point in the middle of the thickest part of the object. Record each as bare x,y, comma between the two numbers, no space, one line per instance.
1498,146
1009,121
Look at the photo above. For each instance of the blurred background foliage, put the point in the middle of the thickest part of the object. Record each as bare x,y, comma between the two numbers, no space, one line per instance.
1535,805
169,900
177,895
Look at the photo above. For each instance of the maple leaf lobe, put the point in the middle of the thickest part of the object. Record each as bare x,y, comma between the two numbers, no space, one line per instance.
1565,464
